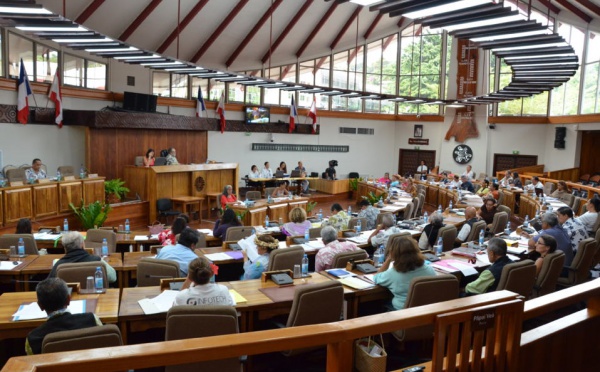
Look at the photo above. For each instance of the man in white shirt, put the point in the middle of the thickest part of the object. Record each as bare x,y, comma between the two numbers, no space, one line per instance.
469,173
383,231
266,171
35,172
422,169
470,219
535,184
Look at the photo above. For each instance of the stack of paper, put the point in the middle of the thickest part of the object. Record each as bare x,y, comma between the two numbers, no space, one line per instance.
360,239
238,298
33,311
356,283
455,265
159,304
140,238
206,231
9,265
46,236
216,257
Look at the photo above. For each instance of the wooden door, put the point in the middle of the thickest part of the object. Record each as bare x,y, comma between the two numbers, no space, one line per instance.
589,162
504,162
18,203
410,159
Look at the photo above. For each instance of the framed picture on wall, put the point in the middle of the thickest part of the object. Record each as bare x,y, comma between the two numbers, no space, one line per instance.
418,131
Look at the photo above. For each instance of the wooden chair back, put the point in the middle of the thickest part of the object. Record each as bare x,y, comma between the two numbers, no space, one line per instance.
579,271
285,259
518,277
341,259
548,277
151,270
448,234
499,222
237,233
81,339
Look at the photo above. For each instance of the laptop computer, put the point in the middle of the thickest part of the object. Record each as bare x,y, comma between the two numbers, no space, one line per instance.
296,174
279,174
160,161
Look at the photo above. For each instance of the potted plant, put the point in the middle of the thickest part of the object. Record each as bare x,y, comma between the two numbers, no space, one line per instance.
91,215
310,206
115,190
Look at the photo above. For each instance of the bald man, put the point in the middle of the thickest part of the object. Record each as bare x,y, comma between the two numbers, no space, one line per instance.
471,218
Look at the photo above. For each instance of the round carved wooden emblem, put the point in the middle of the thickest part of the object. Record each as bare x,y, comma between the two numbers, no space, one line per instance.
199,183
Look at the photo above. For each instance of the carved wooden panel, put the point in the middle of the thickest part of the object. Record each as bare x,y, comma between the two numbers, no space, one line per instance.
18,203
277,211
504,162
93,189
410,160
1,208
45,200
69,192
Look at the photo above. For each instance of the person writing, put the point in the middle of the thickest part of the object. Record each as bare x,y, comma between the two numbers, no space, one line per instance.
339,218
183,251
172,157
35,172
280,191
489,278
227,196
229,219
265,244
149,158
53,297
197,289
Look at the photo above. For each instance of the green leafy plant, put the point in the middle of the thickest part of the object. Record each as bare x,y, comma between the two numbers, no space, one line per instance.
115,189
353,183
374,199
239,214
310,206
91,215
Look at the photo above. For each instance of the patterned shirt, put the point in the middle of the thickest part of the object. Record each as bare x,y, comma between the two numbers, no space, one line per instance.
370,213
172,160
575,231
31,175
383,236
324,257
339,221
254,269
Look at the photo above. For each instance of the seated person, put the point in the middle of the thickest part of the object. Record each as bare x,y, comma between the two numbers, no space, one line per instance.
53,297
229,219
575,229
304,184
507,180
280,191
488,279
406,263
265,244
410,187
383,231
227,196
488,210
169,237
455,183
282,168
385,179
266,171
333,246
516,181
562,192
149,158
588,219
298,224
466,184
484,189
535,184
183,251
470,219
339,218
35,172
469,173
24,226
429,236
369,212
494,191
300,167
254,173
551,227
444,177
74,246
330,172
395,181
545,244
198,290
172,157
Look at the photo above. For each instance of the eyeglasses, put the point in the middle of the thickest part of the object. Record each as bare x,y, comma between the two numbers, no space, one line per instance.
539,243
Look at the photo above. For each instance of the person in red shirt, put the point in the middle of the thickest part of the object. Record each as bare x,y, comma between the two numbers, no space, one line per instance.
227,196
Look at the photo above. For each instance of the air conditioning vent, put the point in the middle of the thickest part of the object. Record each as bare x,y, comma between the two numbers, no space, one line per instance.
367,131
345,130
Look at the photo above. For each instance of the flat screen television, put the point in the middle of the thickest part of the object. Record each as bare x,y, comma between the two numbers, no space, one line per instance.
258,115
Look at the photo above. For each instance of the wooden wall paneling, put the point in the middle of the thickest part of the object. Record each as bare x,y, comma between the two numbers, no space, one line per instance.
18,203
181,184
571,174
277,211
590,153
45,200
93,189
516,162
298,203
164,183
136,212
213,181
410,159
255,216
1,208
509,199
136,181
69,192
432,195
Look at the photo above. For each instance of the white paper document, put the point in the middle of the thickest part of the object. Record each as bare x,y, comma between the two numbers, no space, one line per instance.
360,239
33,311
140,237
356,283
247,244
313,245
9,265
46,236
465,269
215,257
159,304
206,231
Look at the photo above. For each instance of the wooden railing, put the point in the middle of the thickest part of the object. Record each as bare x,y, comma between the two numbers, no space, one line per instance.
571,174
532,169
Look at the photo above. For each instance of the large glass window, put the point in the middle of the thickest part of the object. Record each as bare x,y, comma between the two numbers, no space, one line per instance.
95,75
348,74
179,86
271,96
314,72
203,84
381,72
161,84
74,70
591,85
20,48
566,97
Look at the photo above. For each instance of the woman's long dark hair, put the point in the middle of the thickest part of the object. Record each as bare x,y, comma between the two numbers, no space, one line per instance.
230,218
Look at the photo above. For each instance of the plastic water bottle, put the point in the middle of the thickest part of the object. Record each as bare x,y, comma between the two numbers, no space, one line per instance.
350,211
307,235
98,280
481,238
439,247
82,172
269,199
537,213
21,248
459,194
57,175
450,205
253,231
127,227
526,222
266,222
440,209
378,256
320,215
426,217
305,265
66,225
104,248
550,209
507,230
358,226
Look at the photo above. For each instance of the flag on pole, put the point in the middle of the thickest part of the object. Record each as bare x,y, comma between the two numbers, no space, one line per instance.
55,96
221,111
312,113
23,93
293,116
200,106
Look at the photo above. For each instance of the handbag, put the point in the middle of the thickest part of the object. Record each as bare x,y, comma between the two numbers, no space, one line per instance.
369,356
156,228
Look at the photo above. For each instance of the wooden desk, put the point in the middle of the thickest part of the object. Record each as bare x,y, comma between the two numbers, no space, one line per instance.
16,272
107,310
255,215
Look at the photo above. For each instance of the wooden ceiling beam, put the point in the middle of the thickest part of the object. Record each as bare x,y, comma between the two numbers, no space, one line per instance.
550,6
139,20
87,13
345,27
372,26
315,31
186,21
591,6
212,38
287,29
575,10
253,32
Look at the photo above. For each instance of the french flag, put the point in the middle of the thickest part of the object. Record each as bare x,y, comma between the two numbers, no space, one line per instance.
56,96
200,106
312,113
221,111
293,116
23,92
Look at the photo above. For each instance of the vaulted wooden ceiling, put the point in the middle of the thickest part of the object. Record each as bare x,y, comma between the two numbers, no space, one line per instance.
246,34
